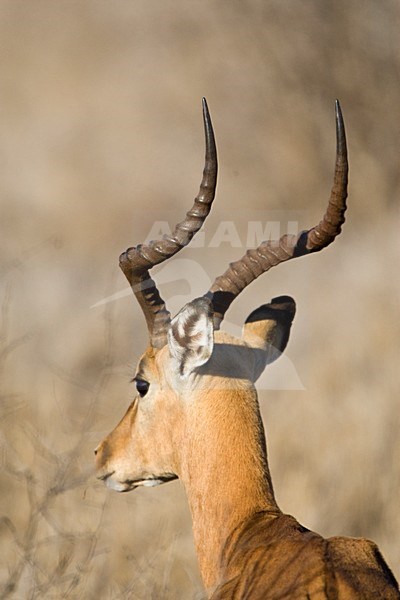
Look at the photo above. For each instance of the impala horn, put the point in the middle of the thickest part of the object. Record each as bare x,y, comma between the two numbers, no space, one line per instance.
136,262
270,253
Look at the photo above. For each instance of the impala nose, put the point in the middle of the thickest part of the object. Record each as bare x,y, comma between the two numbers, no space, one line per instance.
102,454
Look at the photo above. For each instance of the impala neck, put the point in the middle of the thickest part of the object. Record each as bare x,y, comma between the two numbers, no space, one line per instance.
225,471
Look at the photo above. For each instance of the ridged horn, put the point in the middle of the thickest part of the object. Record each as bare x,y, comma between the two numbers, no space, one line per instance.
137,261
270,253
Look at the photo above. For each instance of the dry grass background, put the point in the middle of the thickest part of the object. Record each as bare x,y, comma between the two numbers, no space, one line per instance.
100,135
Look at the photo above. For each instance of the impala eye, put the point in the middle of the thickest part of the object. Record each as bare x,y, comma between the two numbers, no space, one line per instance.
142,387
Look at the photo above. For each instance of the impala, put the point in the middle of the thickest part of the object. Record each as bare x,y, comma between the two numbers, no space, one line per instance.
196,417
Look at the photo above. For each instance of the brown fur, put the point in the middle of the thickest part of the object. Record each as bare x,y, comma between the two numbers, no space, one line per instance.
207,430
275,557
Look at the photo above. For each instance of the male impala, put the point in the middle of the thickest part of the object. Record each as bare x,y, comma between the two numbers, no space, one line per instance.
196,417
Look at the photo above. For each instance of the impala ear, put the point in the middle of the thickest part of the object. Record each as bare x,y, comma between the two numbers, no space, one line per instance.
191,335
268,327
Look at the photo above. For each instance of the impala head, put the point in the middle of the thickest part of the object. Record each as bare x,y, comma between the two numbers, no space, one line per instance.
190,365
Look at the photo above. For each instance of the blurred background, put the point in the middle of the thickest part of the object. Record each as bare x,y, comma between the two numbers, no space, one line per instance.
101,137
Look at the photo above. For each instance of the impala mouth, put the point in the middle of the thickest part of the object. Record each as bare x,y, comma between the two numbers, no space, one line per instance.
130,484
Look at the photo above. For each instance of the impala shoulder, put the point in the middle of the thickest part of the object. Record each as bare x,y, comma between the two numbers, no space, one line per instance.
359,564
